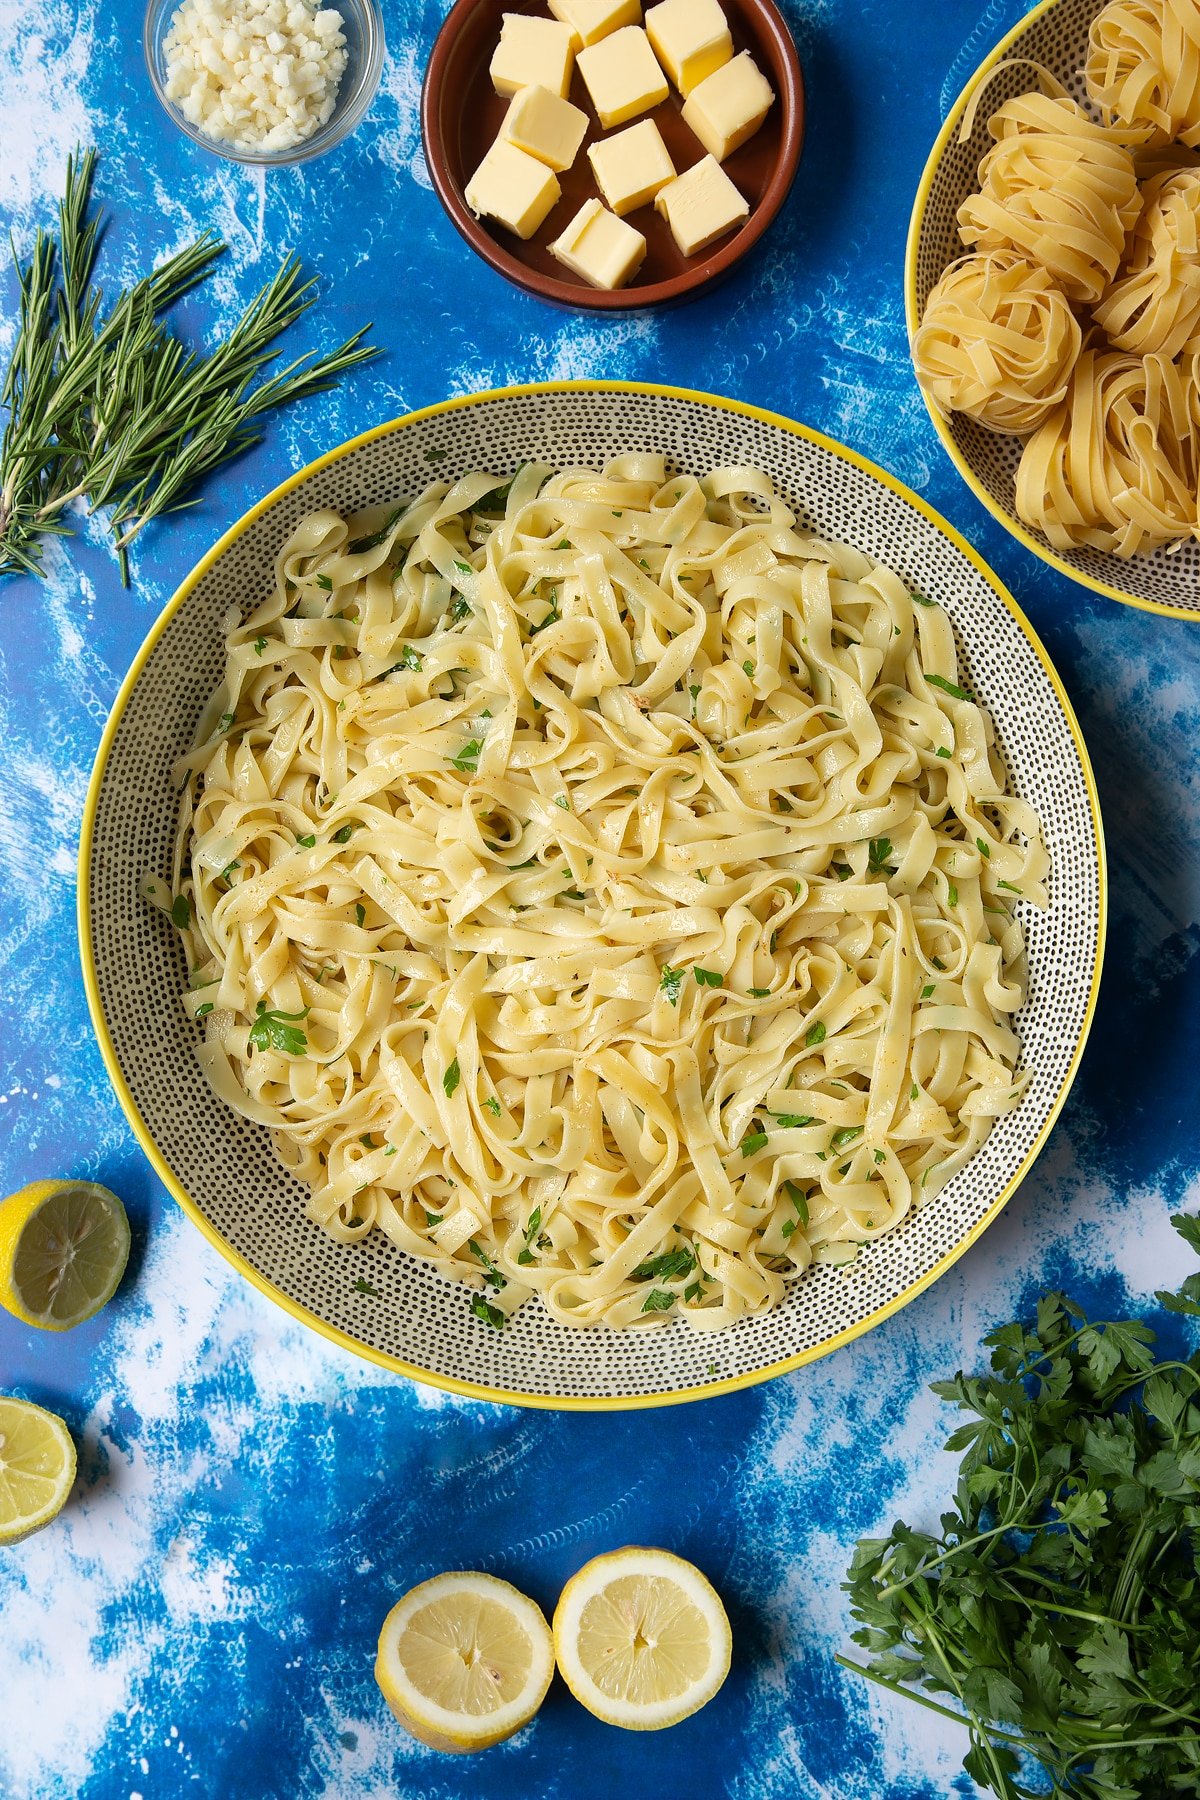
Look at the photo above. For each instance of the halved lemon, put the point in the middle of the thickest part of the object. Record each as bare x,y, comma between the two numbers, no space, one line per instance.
641,1638
63,1249
464,1661
37,1467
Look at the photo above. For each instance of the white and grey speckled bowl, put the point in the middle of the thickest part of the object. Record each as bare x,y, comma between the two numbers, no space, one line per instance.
222,1169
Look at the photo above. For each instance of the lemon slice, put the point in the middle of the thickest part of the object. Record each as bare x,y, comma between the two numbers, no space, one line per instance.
63,1249
37,1467
464,1661
641,1638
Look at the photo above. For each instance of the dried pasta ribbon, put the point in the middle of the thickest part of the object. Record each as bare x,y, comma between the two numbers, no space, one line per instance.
1114,467
1155,302
998,341
1143,69
1057,189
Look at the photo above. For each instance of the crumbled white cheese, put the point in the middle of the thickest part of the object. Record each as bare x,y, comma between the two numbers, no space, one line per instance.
255,74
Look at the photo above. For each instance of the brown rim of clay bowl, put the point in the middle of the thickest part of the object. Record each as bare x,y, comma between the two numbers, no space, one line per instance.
461,114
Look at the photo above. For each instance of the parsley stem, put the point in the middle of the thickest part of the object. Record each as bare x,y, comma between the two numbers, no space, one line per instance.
950,1551
908,1693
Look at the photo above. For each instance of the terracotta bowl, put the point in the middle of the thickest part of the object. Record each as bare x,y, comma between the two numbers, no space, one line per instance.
461,115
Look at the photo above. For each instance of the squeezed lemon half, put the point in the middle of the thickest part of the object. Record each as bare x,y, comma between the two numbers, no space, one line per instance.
63,1249
464,1661
641,1638
37,1467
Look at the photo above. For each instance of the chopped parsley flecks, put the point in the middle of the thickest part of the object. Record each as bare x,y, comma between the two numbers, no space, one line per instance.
798,1199
375,538
680,1261
273,1030
467,760
658,1300
878,854
671,983
491,1273
947,687
483,1310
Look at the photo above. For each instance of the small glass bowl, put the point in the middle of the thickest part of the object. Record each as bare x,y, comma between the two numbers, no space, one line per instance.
362,27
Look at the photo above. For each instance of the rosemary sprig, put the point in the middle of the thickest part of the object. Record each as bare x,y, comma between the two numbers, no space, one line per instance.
109,406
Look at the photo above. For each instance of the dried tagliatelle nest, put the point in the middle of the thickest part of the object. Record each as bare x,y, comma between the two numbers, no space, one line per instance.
1143,70
1056,188
1076,322
1154,305
998,341
1115,464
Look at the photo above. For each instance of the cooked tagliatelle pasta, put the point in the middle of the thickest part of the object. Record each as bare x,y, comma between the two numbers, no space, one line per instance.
604,887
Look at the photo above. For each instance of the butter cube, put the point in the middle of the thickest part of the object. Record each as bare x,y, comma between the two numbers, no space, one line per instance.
690,38
600,248
545,126
632,166
532,53
512,188
701,205
622,76
729,106
591,20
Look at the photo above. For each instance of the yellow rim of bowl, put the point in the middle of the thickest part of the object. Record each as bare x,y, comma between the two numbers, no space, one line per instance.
469,1389
915,227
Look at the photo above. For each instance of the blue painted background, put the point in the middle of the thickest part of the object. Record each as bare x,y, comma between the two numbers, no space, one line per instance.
202,1618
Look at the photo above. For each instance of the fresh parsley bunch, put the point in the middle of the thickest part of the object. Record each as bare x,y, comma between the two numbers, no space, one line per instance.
1059,1606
